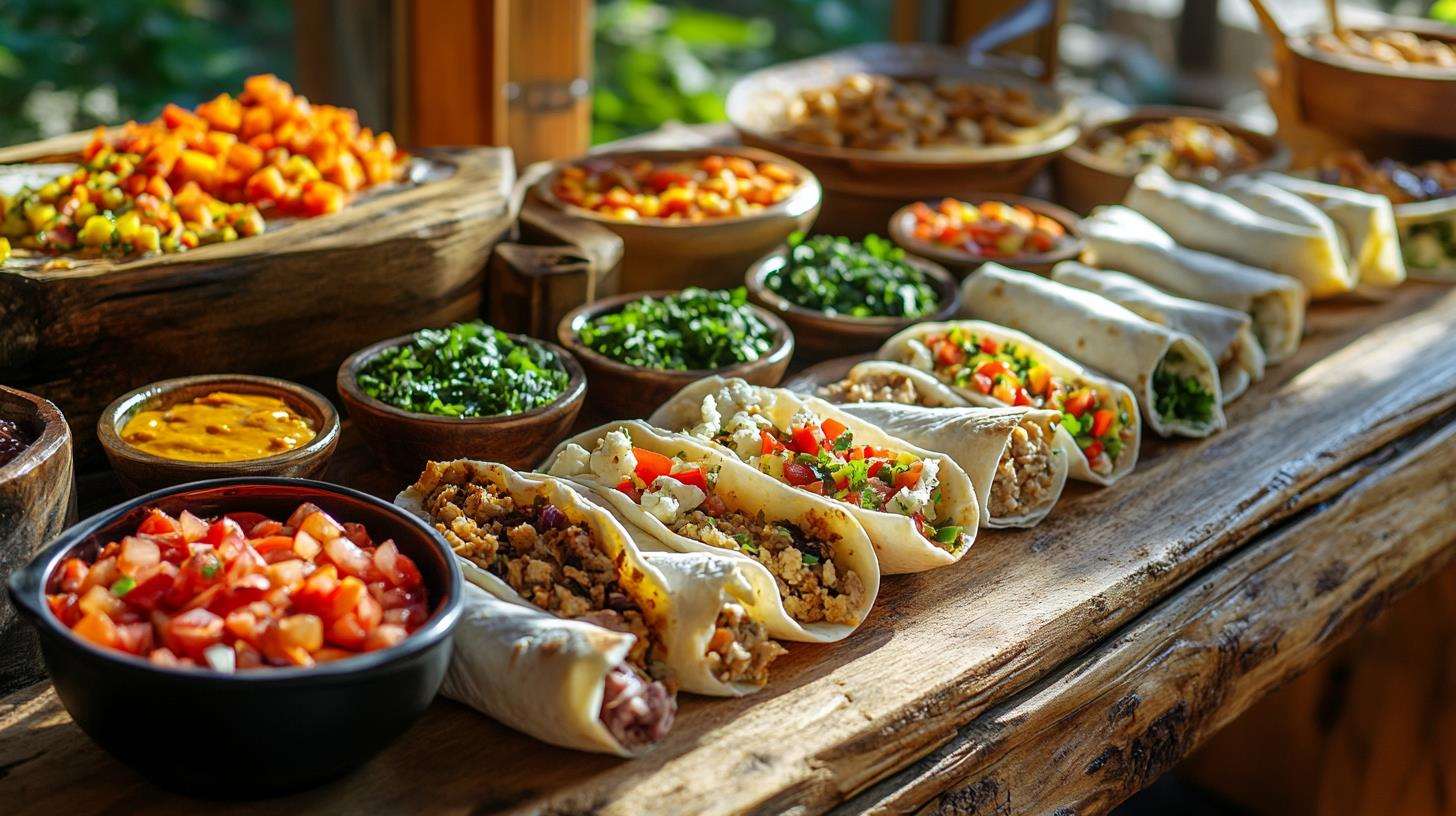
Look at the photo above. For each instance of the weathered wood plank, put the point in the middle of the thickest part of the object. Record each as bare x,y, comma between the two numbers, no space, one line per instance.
1112,721
940,647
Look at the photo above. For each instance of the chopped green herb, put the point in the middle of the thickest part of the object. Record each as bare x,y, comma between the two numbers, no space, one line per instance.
844,442
693,329
123,585
838,276
466,370
1181,396
746,543
810,560
948,535
211,568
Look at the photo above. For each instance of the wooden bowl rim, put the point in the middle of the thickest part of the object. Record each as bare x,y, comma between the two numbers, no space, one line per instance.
53,436
567,331
944,282
1303,47
347,383
899,232
326,435
806,198
1277,155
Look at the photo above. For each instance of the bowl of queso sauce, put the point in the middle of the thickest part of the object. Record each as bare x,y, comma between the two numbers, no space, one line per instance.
214,426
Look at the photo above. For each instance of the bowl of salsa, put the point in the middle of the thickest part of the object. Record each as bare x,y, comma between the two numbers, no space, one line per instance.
297,624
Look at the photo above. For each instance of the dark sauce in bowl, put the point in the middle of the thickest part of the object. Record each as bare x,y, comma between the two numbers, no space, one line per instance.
14,439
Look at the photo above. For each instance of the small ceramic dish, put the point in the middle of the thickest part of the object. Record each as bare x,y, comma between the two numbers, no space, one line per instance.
296,726
819,335
902,230
660,254
37,502
404,440
141,471
622,391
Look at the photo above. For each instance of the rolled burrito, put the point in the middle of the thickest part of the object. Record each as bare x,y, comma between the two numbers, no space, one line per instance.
1123,239
918,507
1226,333
1428,238
562,681
992,365
1174,377
1366,220
532,540
1203,219
811,567
1010,454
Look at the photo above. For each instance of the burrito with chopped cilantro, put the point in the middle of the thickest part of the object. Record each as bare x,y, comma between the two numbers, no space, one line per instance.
1251,223
1122,239
992,365
1366,222
811,567
1227,334
918,506
1172,374
534,540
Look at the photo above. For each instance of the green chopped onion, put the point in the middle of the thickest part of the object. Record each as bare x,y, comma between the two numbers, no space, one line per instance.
123,585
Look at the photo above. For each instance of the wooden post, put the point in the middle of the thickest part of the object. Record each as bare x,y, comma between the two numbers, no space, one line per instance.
550,69
456,72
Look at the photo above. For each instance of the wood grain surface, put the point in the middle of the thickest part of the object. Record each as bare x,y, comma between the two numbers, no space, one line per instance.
1067,664
292,302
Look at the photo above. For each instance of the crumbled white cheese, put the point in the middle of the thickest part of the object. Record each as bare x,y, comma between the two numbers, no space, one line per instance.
920,356
737,395
613,462
574,461
712,420
744,428
910,501
667,498
804,418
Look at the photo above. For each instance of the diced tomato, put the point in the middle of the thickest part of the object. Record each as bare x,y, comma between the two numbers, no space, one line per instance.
874,467
1078,402
1093,451
148,593
694,477
798,474
651,464
769,443
991,368
948,353
803,440
157,523
983,383
347,632
395,566
357,534
270,543
1022,398
191,527
1102,420
989,345
410,616
224,531
832,429
195,630
248,521
630,489
71,575
135,638
1004,391
385,636
348,557
304,511
816,487
268,527
317,593
97,628
909,477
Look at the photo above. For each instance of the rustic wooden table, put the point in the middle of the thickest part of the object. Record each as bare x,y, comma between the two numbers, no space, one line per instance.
1058,669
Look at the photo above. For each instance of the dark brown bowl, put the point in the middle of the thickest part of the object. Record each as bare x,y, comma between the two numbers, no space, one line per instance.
819,335
404,440
37,502
621,391
1086,180
659,254
902,229
142,472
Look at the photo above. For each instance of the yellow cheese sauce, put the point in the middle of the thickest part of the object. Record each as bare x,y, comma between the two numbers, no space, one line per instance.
220,427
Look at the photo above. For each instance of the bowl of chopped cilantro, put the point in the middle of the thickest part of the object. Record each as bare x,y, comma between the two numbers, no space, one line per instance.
467,390
640,348
841,296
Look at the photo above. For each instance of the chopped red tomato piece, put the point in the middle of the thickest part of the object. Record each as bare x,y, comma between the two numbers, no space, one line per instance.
909,477
803,440
832,429
1102,420
157,523
1078,402
651,464
694,477
769,443
989,345
799,474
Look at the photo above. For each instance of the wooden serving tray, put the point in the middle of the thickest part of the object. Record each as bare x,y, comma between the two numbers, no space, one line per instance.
292,302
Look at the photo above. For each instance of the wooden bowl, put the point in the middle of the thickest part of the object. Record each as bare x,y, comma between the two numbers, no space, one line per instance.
1086,180
37,502
1369,102
621,391
863,187
902,230
404,440
659,254
819,335
143,472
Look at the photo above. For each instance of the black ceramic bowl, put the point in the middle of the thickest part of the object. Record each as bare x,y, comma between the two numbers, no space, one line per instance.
261,732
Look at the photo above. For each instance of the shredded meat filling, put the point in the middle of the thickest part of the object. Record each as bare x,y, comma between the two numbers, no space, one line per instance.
813,588
878,388
552,562
636,711
1024,475
740,650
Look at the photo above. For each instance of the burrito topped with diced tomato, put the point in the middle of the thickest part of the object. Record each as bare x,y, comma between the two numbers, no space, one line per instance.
992,365
918,506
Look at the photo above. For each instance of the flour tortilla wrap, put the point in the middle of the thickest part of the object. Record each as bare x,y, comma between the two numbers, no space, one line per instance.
542,675
908,347
929,392
898,543
1366,220
1106,336
1226,333
977,439
1428,238
1125,240
1200,218
682,608
745,489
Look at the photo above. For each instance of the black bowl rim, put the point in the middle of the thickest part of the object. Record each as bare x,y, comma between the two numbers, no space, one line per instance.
441,624
941,279
569,331
326,436
347,382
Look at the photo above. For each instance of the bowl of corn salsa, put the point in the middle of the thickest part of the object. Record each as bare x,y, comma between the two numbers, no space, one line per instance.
963,233
217,425
692,217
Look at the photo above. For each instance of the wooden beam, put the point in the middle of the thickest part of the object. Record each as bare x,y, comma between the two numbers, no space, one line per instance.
456,72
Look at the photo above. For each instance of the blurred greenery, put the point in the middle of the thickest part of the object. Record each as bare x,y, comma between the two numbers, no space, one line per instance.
1445,11
662,61
72,64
